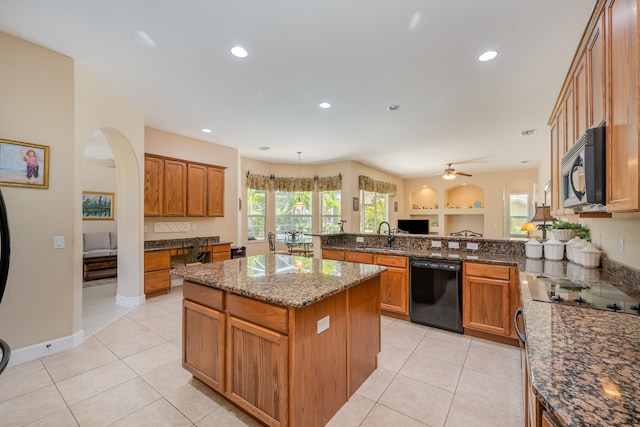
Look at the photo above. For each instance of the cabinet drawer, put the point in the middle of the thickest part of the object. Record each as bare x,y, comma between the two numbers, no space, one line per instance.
392,261
490,271
203,295
360,257
156,280
221,249
264,314
157,260
333,254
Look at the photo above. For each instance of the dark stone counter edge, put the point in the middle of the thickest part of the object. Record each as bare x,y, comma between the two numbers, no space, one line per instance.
177,245
279,301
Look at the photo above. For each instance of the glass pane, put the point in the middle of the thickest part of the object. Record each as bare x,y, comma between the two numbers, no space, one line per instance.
256,202
331,202
256,228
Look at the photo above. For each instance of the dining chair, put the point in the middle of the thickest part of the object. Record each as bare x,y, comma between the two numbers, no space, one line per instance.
194,250
272,245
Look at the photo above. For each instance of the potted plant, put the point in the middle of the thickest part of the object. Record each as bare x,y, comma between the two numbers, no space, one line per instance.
563,230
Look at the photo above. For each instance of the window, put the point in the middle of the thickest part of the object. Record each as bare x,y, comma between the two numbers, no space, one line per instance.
518,214
288,216
256,214
331,203
373,210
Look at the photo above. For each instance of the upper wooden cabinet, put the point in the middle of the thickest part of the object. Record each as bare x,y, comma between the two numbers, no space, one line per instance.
622,131
602,89
178,188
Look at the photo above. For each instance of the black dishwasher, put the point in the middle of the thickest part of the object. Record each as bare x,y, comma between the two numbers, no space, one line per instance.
436,293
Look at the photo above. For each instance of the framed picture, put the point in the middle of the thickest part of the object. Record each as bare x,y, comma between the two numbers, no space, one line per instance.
23,164
356,204
97,205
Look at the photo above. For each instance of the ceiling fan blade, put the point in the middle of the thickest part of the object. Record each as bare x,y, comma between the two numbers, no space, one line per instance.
462,173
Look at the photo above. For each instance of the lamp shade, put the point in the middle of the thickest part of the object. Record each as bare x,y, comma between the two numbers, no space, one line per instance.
542,214
528,227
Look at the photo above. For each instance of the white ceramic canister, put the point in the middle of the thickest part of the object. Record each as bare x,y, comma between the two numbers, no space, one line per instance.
590,256
569,247
554,250
533,249
577,255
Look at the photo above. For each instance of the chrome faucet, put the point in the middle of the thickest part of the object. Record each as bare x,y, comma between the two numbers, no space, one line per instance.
390,236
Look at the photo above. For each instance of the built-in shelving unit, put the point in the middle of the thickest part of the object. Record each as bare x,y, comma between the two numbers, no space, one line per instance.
459,207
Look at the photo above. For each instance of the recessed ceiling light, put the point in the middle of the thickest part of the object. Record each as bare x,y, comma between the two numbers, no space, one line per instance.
393,107
239,51
488,56
324,105
206,130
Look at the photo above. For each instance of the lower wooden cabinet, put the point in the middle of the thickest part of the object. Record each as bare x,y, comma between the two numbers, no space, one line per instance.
490,298
157,279
394,283
203,343
537,415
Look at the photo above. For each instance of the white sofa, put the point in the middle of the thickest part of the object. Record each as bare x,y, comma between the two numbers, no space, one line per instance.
99,255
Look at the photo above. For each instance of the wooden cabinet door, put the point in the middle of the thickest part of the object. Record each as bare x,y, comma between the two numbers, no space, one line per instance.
196,190
257,371
486,304
556,190
622,129
570,125
394,290
215,191
596,75
203,335
175,188
333,254
153,186
581,99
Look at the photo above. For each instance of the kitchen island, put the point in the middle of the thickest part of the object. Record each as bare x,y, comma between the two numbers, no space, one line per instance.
288,339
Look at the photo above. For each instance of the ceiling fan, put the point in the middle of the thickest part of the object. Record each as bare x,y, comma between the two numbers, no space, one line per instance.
450,173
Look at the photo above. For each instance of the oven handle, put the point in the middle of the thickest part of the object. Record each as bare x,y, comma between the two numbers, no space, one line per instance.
515,324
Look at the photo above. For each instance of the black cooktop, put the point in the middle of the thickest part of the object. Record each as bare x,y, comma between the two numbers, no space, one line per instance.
598,295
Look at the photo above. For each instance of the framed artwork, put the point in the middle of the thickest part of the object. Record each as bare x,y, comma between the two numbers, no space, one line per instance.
98,206
356,204
23,164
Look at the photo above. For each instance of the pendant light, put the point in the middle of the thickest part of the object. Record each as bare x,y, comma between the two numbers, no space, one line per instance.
298,204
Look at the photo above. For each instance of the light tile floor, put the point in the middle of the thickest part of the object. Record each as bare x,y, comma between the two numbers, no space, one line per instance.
129,373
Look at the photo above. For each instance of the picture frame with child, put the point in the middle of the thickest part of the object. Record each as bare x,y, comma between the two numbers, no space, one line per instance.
24,164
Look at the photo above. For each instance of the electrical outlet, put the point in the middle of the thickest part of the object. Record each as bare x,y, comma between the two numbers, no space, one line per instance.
360,239
58,242
621,245
454,245
436,244
472,246
193,227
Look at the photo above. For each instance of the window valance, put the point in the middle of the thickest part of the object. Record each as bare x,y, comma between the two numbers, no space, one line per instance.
369,184
271,182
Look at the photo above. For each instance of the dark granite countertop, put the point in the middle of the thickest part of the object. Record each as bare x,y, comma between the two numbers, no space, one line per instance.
164,244
285,280
584,363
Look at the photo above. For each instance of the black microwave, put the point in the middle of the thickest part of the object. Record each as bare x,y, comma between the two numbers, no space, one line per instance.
583,173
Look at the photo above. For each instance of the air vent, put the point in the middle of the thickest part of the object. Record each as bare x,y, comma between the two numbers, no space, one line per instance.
263,148
528,132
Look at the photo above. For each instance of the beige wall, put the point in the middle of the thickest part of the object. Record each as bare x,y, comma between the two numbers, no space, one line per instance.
37,86
182,147
99,175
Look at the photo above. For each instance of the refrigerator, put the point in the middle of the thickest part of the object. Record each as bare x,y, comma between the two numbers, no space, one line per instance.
5,251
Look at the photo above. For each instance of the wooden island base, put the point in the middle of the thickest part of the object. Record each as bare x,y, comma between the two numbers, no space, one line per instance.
285,366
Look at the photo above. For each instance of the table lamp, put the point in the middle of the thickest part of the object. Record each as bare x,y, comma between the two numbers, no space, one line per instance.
543,214
528,227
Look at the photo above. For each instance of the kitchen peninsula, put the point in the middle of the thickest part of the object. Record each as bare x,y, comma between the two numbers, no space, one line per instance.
288,339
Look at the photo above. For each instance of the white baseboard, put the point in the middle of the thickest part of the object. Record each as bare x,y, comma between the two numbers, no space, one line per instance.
46,348
123,301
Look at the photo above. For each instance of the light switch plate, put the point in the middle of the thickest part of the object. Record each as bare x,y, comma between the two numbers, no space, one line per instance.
472,246
454,245
360,239
436,244
58,242
323,324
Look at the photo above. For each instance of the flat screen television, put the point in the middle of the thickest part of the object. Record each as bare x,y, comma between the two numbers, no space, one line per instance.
414,226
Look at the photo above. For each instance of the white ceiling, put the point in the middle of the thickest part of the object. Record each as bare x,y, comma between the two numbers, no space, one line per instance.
359,55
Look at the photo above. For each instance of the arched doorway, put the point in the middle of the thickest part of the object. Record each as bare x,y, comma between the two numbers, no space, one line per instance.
113,149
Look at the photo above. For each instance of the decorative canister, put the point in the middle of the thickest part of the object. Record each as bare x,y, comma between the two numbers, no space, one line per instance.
569,247
553,250
533,249
590,256
577,254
